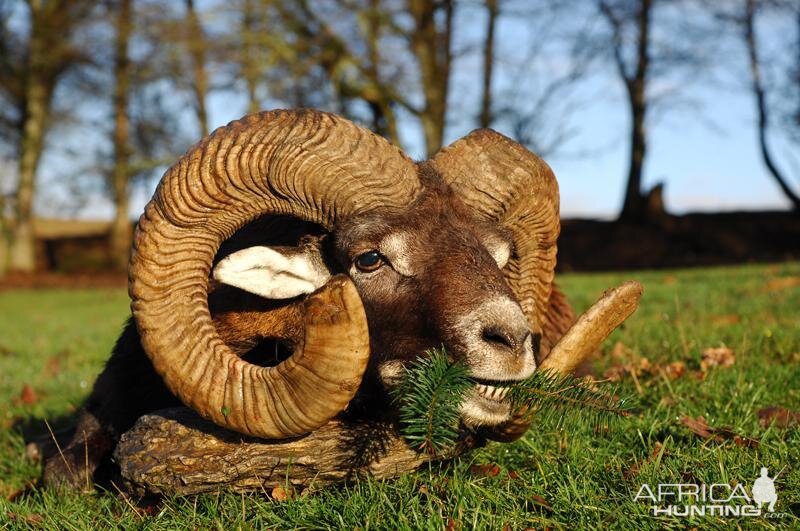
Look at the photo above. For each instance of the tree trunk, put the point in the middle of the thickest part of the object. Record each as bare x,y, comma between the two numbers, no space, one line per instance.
174,451
250,68
761,104
197,50
633,207
431,47
488,63
121,227
22,255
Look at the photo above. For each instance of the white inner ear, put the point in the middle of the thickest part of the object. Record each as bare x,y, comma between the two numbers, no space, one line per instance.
499,248
274,273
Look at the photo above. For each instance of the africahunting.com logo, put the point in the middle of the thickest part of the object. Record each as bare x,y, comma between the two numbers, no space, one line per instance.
717,499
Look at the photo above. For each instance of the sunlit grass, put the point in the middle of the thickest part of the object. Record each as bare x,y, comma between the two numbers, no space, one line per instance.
572,478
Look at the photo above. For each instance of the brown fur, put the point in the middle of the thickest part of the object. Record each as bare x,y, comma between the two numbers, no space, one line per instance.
407,314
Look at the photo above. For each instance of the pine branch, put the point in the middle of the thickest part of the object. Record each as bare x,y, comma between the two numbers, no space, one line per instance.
549,396
428,400
430,394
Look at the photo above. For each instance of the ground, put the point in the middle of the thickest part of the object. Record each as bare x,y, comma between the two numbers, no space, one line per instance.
721,343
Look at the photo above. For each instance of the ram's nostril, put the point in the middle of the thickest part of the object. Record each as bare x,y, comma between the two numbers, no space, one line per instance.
498,336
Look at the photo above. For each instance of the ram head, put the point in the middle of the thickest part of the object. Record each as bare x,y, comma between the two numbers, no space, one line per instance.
392,258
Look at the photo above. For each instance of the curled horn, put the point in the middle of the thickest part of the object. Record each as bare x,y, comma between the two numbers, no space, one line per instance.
306,164
505,183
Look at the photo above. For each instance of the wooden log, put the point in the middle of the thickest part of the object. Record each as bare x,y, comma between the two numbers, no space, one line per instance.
175,451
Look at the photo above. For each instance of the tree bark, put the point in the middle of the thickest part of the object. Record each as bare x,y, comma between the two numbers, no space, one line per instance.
250,68
174,451
488,63
22,255
431,47
197,51
121,227
761,104
633,207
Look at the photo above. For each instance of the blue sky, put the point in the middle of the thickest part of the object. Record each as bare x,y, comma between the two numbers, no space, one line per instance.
706,152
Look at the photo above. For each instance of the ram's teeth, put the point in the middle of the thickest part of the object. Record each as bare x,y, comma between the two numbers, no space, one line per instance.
503,393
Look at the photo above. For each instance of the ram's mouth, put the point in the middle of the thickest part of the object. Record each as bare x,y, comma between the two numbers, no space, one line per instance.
486,404
496,392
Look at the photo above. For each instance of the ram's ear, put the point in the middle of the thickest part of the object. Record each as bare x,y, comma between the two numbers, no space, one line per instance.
274,272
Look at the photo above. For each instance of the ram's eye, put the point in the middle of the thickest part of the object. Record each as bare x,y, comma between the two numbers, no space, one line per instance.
369,261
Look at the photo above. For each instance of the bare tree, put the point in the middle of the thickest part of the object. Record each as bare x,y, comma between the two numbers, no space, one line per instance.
492,10
196,41
431,44
748,28
121,227
250,70
635,17
47,54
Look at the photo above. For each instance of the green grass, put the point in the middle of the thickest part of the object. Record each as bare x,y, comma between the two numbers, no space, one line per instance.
567,479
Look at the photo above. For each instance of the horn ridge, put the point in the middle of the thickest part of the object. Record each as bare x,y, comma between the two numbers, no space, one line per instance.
306,164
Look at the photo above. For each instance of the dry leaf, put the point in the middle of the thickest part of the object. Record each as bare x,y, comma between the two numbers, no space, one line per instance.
614,374
513,474
781,283
675,370
489,471
728,319
31,519
280,494
635,467
780,417
452,525
541,502
717,357
700,427
27,396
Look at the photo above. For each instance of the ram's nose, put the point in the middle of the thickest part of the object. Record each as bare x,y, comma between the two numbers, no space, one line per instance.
511,338
501,345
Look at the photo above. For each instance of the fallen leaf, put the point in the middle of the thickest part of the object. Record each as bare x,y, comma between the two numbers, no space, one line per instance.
745,442
717,357
489,471
675,370
700,427
27,396
781,283
728,319
635,467
423,489
780,417
452,525
513,474
5,352
541,502
615,373
32,519
280,494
